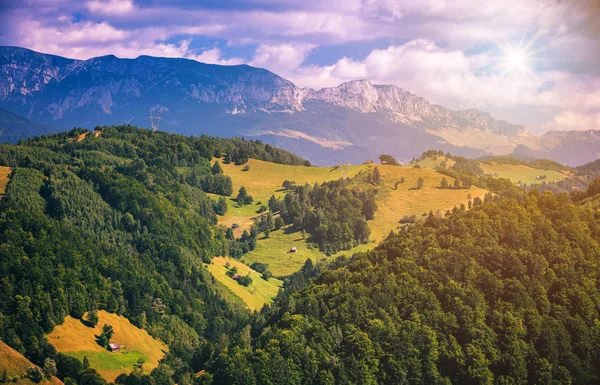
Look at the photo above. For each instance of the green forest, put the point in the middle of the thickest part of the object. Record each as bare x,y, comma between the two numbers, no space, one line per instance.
504,293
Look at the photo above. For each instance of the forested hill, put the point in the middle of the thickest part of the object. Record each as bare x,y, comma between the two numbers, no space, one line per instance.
505,293
117,219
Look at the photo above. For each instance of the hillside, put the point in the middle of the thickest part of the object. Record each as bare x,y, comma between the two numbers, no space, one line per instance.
254,296
14,128
15,366
265,179
78,340
110,222
489,295
352,122
531,172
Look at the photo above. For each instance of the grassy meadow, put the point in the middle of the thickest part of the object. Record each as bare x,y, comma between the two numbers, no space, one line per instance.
521,173
78,340
275,251
255,296
264,179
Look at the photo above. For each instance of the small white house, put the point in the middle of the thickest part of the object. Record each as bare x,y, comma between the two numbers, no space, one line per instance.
293,249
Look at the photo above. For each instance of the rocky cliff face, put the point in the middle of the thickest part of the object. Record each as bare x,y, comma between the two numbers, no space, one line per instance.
407,107
357,117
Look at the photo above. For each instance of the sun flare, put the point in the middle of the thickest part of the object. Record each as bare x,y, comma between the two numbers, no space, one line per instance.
516,61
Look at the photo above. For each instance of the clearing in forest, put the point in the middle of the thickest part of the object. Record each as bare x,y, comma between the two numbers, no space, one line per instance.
78,340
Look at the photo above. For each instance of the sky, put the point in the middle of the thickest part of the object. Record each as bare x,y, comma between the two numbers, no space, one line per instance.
531,62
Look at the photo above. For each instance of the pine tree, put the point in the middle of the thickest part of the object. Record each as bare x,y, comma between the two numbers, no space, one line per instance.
376,177
216,168
444,183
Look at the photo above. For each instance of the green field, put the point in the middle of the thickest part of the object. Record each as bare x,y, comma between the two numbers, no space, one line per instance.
117,362
521,173
275,251
259,293
78,340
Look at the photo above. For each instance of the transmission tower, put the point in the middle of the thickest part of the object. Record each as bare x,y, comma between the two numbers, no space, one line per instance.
154,121
344,168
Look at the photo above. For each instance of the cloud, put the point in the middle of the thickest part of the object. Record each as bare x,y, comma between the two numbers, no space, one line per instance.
215,56
570,120
281,58
110,7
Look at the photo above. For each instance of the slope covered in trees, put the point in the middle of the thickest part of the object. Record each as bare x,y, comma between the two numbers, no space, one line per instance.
505,293
118,222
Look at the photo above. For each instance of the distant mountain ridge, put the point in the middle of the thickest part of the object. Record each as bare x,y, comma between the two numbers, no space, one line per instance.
348,123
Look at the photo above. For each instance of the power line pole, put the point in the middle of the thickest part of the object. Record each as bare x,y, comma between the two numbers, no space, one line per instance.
154,121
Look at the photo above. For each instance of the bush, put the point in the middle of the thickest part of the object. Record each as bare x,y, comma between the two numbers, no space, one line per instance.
35,374
266,275
245,280
259,267
231,272
279,223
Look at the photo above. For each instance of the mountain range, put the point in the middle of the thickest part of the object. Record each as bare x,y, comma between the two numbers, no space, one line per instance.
349,123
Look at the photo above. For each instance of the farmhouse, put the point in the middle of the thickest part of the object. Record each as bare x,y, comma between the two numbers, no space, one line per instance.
384,162
368,161
236,277
235,226
293,249
114,347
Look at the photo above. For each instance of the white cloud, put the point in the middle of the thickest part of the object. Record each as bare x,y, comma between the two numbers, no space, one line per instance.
282,58
110,7
570,120
215,56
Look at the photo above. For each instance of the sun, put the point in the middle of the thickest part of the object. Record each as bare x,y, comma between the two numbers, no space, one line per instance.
516,62
516,59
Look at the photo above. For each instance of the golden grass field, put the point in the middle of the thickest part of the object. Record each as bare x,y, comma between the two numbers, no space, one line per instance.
522,173
392,205
78,340
4,178
265,179
257,294
406,200
16,364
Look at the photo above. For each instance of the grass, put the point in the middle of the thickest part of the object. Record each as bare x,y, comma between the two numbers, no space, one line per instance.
522,173
257,294
433,163
392,206
275,251
4,178
78,340
264,179
16,364
407,200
